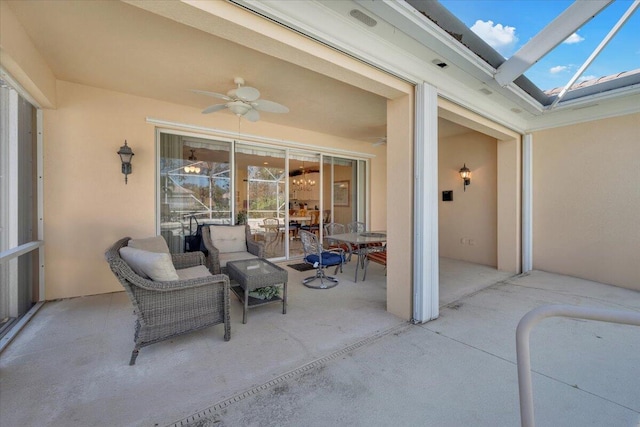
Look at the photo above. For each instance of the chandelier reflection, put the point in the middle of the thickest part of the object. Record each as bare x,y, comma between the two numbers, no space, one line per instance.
192,168
303,184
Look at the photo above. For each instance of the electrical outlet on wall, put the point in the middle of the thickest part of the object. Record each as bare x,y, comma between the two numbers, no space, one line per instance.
472,242
463,240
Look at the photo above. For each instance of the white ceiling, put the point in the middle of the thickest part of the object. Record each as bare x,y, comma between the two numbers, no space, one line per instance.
116,46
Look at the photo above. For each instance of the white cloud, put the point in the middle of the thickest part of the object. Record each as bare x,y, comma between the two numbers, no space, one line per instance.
499,37
573,38
583,78
558,69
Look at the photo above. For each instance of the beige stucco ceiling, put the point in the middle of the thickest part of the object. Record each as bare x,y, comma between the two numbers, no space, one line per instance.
119,47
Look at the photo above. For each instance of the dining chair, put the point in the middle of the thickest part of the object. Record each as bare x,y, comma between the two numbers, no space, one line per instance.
326,216
337,228
314,224
320,258
294,226
363,250
272,225
379,257
356,227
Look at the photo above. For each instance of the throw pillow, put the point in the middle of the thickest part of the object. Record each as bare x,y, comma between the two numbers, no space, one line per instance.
151,244
153,265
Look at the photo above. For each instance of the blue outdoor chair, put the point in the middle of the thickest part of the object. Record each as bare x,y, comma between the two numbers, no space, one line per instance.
320,258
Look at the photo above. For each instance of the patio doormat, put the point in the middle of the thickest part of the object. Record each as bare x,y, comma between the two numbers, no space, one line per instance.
303,266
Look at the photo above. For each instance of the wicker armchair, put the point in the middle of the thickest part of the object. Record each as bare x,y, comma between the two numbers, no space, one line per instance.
222,245
167,309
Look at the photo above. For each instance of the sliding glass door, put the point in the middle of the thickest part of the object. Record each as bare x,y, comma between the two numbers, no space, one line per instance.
277,191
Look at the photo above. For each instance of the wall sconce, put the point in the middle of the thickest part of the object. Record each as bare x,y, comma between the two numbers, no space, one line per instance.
465,174
125,154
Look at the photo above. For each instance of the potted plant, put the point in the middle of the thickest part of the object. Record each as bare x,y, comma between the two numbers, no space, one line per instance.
265,293
241,218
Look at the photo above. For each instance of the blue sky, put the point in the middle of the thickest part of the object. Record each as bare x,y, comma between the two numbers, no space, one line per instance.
508,24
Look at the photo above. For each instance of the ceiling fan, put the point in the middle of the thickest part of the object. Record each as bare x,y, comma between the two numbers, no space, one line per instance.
243,101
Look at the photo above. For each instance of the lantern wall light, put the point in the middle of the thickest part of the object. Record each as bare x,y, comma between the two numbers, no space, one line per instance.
125,154
465,174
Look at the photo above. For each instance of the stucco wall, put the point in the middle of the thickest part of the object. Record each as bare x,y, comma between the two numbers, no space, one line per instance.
87,205
468,224
399,199
20,58
586,200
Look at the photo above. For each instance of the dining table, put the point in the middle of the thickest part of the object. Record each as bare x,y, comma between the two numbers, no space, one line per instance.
361,240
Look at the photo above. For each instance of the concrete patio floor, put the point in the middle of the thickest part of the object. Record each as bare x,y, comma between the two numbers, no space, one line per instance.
335,358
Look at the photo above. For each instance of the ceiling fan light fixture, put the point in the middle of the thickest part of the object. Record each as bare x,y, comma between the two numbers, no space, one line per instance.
243,101
239,108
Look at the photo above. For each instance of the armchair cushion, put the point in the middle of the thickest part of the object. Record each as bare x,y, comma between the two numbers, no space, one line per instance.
151,244
328,258
230,239
193,272
153,265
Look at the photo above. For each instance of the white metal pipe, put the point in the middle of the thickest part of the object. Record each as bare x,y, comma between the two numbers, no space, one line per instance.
523,332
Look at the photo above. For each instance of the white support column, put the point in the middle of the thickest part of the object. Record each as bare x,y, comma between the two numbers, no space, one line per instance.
527,203
425,257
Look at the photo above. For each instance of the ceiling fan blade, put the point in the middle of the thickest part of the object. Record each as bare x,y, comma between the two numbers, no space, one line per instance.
247,93
213,94
380,141
252,115
269,106
214,108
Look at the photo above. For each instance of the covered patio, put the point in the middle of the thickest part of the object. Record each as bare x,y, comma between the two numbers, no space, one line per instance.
405,101
336,357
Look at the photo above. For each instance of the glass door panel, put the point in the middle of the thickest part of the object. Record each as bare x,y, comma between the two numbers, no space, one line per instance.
327,190
260,195
304,197
195,182
345,188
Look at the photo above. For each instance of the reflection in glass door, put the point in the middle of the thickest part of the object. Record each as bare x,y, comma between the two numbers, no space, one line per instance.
194,184
343,192
260,198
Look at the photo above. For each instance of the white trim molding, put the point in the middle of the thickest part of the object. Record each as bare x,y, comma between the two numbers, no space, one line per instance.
245,137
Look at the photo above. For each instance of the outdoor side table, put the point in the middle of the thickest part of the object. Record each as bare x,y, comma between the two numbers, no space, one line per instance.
251,274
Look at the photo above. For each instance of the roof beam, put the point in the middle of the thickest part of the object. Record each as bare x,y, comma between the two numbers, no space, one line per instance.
625,17
546,40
